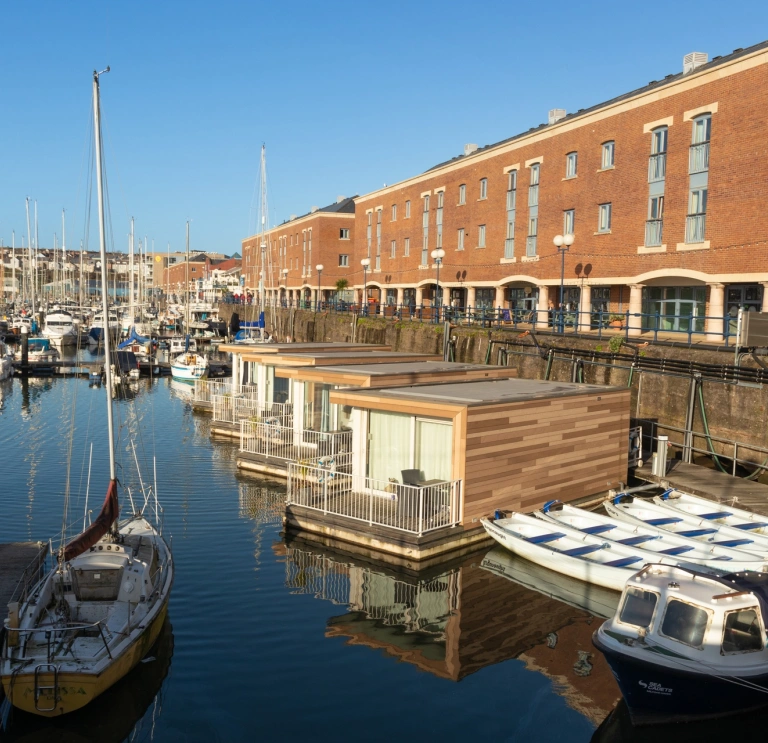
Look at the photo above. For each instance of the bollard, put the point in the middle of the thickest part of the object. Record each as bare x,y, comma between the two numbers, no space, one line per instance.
24,348
660,458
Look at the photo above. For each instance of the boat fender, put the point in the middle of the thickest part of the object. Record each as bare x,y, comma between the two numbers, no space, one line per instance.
498,515
545,508
665,495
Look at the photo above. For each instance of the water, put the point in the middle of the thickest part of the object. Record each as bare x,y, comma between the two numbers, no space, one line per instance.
286,639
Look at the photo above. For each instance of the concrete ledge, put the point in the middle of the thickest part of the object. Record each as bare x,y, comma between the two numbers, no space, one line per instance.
226,430
202,407
248,462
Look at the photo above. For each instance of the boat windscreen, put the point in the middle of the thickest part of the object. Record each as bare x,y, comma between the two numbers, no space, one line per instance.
638,607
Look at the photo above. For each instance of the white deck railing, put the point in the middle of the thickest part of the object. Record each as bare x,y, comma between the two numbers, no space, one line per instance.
283,442
408,508
234,408
205,389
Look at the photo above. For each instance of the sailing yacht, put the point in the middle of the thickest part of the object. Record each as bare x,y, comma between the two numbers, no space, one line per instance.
60,329
95,615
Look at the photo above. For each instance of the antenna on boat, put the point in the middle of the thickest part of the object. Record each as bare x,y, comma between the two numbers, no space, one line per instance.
104,284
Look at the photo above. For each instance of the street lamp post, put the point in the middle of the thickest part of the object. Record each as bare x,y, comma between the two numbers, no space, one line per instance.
562,243
319,267
365,263
437,255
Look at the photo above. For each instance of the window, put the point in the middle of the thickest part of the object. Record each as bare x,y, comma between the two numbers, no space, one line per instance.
509,243
462,194
606,159
742,633
407,246
570,164
368,234
638,607
569,218
392,248
460,239
654,224
344,233
344,260
697,215
407,209
483,188
702,129
698,160
656,207
604,218
481,236
659,141
439,219
685,623
425,230
394,212
535,173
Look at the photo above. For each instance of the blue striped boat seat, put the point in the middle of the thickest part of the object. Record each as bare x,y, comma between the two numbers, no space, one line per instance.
722,557
598,528
696,532
751,525
622,562
661,522
733,542
715,515
585,550
676,550
541,538
632,541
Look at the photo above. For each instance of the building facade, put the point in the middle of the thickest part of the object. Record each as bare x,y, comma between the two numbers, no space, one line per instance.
662,189
293,250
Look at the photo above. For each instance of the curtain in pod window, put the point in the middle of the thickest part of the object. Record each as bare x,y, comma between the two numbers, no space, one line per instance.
389,445
434,449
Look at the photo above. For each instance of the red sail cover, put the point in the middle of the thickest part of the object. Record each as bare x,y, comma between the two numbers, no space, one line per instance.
107,516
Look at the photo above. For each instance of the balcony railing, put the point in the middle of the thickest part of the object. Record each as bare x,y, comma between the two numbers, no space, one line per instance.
511,200
653,232
234,408
408,508
694,228
533,195
509,247
325,449
657,167
698,158
205,389
530,246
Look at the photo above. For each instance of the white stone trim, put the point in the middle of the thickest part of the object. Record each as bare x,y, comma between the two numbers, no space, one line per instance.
509,168
425,193
693,246
507,260
694,112
643,249
439,190
529,258
650,126
534,161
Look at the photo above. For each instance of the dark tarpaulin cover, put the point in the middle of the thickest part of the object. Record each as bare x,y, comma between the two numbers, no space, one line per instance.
110,510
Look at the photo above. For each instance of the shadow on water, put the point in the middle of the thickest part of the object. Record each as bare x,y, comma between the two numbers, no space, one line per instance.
110,717
459,618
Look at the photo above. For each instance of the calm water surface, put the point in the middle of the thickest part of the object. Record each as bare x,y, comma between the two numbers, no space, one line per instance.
284,639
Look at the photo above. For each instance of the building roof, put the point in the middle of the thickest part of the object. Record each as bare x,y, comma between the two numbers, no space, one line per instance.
344,206
652,85
472,394
409,367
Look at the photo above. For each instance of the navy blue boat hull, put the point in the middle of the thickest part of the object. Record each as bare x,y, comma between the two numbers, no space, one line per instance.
656,694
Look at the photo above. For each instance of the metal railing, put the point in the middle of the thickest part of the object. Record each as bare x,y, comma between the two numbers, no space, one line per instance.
685,442
698,158
657,167
653,232
408,508
694,228
205,389
234,408
635,458
280,442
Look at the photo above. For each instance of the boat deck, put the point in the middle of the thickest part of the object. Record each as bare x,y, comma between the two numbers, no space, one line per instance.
15,558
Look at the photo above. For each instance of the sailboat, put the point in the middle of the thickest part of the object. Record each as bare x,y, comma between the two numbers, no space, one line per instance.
97,612
188,365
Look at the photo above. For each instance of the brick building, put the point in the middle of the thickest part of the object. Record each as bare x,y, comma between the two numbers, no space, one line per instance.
662,187
200,269
294,249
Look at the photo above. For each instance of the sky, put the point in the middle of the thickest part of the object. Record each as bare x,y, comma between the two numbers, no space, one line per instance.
346,96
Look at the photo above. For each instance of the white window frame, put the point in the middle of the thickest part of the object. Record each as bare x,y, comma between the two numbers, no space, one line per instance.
481,236
407,208
571,164
407,247
608,154
344,260
483,188
604,217
394,213
569,221
460,239
462,194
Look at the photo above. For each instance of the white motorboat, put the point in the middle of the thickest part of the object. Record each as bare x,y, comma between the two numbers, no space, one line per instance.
688,646
6,361
670,520
39,349
179,345
60,328
720,513
97,326
189,367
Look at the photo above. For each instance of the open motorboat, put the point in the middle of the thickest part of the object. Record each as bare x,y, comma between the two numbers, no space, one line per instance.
39,349
657,516
189,366
96,613
60,328
720,513
684,645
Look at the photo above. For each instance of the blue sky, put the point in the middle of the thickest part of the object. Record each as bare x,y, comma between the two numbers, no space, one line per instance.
347,96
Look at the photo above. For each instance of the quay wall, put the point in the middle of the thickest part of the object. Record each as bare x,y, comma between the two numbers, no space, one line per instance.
736,412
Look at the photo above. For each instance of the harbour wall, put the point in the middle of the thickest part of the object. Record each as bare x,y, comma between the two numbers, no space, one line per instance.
733,411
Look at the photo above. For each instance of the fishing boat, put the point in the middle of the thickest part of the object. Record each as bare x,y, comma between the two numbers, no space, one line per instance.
684,645
59,328
583,556
669,520
747,521
91,618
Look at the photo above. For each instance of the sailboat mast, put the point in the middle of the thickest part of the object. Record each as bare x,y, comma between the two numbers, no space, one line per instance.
103,254
13,269
263,210
63,253
131,300
187,278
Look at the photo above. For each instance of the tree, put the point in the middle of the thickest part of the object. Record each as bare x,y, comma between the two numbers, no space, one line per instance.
341,285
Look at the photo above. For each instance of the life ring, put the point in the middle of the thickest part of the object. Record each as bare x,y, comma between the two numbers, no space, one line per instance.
327,467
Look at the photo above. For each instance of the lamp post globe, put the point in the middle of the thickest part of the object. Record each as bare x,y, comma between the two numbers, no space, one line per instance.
562,243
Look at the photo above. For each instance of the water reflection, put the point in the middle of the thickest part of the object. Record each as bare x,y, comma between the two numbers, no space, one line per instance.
133,704
6,390
462,618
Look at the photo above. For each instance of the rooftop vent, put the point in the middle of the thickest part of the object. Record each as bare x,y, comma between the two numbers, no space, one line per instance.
555,114
339,199
693,60
313,209
470,148
292,217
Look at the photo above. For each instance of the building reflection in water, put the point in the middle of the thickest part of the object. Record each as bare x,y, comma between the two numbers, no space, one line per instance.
263,503
128,710
459,618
